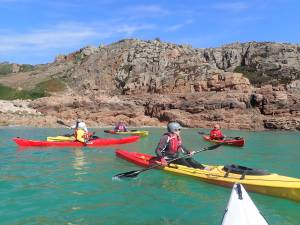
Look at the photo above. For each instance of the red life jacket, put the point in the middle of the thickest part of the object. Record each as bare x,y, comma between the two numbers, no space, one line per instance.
216,134
174,143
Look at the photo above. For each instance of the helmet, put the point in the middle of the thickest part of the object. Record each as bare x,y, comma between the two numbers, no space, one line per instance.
82,125
172,126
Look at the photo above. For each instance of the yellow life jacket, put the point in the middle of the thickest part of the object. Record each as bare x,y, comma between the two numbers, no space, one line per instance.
80,135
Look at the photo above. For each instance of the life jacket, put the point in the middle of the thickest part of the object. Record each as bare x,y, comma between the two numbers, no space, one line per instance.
88,135
120,127
80,135
174,143
216,134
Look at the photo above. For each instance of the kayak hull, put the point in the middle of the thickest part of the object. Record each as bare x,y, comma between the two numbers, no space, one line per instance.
92,143
272,184
234,142
241,209
142,133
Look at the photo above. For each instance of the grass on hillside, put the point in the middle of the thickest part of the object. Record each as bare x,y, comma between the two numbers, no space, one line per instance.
255,77
52,85
6,68
42,89
8,93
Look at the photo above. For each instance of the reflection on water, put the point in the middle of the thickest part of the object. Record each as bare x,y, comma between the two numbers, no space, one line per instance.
79,162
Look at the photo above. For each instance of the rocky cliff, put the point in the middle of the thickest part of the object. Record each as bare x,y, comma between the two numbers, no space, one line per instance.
241,86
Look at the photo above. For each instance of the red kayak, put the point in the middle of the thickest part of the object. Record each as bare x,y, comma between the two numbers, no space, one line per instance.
140,159
235,141
92,143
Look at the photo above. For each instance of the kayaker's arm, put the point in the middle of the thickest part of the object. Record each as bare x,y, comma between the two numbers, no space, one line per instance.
162,145
185,150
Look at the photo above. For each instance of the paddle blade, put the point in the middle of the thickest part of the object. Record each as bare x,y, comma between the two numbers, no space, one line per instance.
214,146
130,174
110,131
62,123
201,133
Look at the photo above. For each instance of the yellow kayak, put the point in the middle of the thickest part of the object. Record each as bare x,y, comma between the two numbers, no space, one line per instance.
61,138
142,133
252,179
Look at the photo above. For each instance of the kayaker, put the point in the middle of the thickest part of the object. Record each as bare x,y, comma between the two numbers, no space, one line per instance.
120,127
81,132
170,146
216,133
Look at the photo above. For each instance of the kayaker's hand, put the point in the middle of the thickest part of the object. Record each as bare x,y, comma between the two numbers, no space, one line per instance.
191,153
163,162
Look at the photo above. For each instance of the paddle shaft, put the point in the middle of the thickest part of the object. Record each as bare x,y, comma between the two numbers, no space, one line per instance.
62,123
172,160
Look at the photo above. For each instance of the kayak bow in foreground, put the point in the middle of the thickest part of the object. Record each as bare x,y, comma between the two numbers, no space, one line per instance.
241,209
253,180
92,143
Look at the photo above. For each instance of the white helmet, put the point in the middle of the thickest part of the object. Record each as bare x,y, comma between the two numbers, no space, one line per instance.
173,126
82,125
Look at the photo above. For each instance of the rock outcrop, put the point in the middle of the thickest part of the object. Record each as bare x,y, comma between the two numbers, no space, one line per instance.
253,85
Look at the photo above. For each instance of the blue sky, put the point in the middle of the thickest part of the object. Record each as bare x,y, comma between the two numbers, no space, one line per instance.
35,31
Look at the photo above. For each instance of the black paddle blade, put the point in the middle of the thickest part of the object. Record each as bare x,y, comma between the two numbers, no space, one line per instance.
62,123
201,133
130,174
214,146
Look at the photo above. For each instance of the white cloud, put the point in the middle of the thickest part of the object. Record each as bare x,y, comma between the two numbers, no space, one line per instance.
149,9
178,26
65,35
142,11
231,6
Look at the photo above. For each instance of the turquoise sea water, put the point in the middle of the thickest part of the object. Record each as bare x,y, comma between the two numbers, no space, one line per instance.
75,185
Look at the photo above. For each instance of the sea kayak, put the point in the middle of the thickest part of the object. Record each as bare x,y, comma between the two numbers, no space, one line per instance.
92,143
241,209
253,179
235,141
133,132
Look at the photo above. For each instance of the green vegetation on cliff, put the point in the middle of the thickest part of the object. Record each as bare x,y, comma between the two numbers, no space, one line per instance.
8,93
7,68
42,89
52,85
256,78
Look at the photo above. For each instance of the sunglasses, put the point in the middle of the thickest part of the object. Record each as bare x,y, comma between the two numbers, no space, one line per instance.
177,129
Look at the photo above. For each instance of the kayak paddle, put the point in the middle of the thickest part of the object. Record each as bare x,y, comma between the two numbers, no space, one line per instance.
135,173
69,135
62,123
